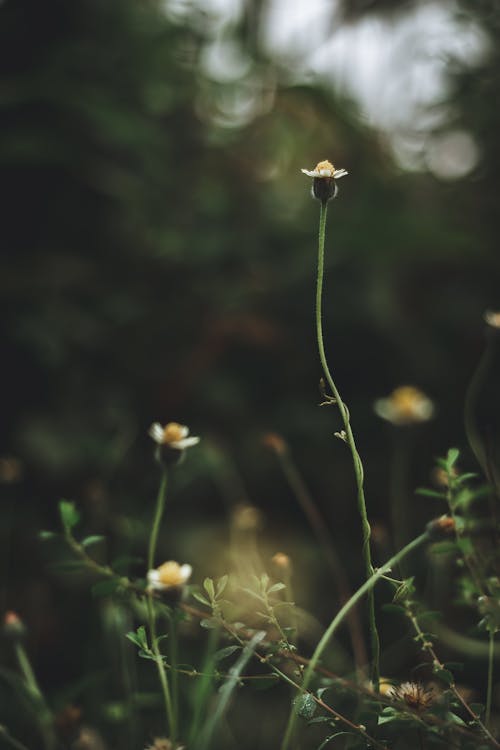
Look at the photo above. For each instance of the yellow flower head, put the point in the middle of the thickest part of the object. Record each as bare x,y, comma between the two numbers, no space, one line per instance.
172,435
325,169
170,575
405,405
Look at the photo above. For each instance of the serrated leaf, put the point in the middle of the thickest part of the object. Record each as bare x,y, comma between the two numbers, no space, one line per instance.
69,515
104,588
138,637
221,585
200,598
276,587
94,539
305,705
223,653
208,585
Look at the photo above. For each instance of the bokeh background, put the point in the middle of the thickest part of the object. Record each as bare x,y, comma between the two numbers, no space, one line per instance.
159,260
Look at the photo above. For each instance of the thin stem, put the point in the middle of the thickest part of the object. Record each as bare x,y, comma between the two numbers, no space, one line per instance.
437,664
320,529
162,674
358,466
45,715
491,660
155,529
338,619
10,740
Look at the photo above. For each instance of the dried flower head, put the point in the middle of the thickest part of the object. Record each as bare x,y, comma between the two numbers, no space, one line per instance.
324,175
441,528
492,317
404,406
414,694
13,626
170,575
275,442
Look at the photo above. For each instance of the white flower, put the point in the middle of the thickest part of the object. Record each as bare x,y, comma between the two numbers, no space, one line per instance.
405,405
492,318
325,169
170,575
173,435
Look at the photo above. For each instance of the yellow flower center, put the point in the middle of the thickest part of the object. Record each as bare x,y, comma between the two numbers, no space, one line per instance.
325,165
406,400
173,432
171,574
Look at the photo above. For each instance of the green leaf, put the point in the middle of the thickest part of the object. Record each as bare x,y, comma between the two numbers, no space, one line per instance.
208,585
200,598
221,584
276,587
223,653
332,736
110,586
425,492
305,705
139,637
46,535
452,457
394,608
209,623
69,515
444,675
89,540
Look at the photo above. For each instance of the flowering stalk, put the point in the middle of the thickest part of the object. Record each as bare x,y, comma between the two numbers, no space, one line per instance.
366,588
349,438
162,674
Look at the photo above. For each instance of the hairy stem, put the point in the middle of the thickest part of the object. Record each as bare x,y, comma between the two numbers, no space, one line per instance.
349,438
339,618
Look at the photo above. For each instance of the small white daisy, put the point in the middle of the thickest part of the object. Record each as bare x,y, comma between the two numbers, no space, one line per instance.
405,405
170,575
173,435
325,169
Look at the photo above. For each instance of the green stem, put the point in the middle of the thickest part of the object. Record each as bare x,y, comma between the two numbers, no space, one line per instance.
10,740
162,674
155,529
338,619
358,466
489,693
45,715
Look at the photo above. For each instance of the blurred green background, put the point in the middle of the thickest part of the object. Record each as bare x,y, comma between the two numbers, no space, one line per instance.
159,261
